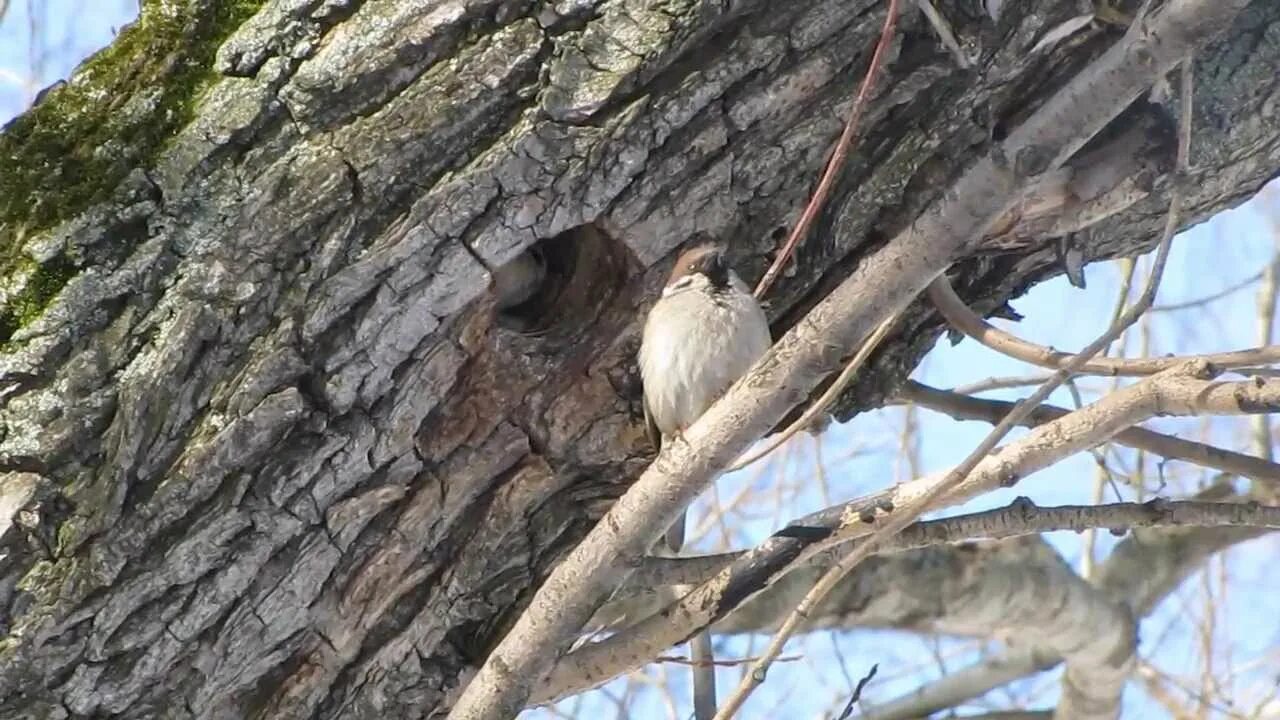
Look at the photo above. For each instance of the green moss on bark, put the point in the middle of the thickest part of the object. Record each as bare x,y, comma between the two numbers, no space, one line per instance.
45,579
37,292
115,114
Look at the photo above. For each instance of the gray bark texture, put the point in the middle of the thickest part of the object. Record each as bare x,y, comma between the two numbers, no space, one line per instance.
272,445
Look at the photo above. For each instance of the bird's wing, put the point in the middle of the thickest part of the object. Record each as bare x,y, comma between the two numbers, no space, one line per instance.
674,537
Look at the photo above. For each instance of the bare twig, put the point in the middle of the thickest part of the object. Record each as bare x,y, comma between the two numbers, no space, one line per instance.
857,692
843,145
829,396
963,407
1262,443
1004,382
959,685
1154,685
704,676
1201,698
1128,267
945,35
1225,292
968,322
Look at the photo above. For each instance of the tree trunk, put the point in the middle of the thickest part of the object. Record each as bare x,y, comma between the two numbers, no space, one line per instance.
275,443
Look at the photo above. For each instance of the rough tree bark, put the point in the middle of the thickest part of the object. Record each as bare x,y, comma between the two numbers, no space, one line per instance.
270,448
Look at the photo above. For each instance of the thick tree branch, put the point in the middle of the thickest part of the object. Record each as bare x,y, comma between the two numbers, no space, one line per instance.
984,595
963,684
1172,393
1022,518
879,286
1141,571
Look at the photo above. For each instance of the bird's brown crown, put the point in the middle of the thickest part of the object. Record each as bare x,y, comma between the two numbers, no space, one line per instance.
705,258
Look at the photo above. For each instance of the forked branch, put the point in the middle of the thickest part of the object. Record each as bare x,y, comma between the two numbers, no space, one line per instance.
803,357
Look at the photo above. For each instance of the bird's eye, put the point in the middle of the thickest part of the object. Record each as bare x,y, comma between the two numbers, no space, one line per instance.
693,267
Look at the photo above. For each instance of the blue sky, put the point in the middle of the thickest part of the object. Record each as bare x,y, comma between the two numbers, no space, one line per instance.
863,455
42,41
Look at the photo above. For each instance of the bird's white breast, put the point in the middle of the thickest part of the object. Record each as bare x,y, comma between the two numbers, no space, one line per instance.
695,345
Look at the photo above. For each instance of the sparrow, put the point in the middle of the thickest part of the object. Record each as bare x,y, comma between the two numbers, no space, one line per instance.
704,333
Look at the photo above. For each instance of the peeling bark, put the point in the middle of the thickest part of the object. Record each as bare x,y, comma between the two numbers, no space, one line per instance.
277,452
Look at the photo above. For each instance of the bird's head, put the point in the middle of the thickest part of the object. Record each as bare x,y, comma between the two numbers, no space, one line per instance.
702,266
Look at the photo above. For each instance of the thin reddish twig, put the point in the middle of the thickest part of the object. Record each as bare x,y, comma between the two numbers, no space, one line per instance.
838,155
